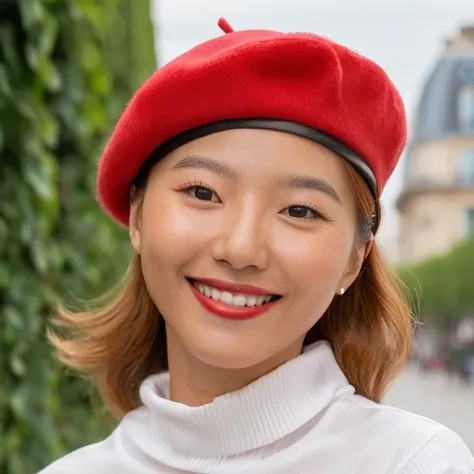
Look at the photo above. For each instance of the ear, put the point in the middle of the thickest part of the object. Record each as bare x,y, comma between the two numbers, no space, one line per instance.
368,247
134,228
354,265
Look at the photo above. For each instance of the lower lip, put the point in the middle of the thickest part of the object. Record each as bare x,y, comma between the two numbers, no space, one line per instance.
223,310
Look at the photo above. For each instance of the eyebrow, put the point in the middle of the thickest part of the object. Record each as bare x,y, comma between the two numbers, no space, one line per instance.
204,163
294,181
297,181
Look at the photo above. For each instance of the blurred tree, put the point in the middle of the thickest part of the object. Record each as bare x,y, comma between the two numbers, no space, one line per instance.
67,68
442,288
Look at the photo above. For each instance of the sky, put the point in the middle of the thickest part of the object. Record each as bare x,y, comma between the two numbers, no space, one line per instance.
405,37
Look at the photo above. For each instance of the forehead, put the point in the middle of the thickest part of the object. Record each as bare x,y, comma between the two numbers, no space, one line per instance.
263,155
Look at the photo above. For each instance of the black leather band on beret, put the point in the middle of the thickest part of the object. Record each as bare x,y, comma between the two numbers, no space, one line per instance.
267,124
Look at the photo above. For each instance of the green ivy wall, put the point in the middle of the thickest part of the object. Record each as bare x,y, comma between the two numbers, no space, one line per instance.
67,68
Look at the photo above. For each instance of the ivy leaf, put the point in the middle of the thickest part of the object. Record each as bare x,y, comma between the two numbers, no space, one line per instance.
49,75
5,88
32,13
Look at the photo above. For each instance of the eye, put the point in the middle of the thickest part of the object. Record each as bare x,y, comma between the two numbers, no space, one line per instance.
301,212
306,212
200,192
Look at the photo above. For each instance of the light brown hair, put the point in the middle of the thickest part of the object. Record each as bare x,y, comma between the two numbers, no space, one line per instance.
121,338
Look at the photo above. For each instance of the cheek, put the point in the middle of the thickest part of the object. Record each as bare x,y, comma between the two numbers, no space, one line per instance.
315,262
170,239
172,234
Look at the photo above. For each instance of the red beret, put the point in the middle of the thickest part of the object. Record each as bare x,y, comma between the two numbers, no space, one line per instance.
328,92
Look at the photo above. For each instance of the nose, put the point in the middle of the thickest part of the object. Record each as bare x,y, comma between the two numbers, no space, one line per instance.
242,241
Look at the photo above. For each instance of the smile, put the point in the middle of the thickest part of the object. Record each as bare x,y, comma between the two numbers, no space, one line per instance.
232,301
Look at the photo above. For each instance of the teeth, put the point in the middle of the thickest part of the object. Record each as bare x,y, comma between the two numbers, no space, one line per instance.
227,297
239,300
233,299
215,294
251,300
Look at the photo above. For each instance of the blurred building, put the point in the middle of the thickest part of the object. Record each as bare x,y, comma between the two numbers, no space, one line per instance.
436,205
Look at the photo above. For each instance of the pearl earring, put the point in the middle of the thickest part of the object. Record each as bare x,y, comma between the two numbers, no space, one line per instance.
342,291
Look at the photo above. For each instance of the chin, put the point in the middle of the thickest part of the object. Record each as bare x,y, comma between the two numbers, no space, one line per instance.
226,352
230,344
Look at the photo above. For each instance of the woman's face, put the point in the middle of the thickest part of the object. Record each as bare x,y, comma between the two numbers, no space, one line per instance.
245,237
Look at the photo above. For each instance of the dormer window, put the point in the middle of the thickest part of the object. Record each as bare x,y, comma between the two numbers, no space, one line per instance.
466,167
466,108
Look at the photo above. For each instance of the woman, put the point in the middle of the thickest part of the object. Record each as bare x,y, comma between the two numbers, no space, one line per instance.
258,327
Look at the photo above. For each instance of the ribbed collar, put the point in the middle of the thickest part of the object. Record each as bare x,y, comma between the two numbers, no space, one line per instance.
265,411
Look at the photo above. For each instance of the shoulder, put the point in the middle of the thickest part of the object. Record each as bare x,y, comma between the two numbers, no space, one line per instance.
94,456
100,458
106,457
420,445
443,453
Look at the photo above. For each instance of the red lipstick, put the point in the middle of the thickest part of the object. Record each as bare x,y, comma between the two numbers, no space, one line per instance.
224,310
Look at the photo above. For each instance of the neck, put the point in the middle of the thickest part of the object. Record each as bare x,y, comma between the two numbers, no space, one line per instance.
195,383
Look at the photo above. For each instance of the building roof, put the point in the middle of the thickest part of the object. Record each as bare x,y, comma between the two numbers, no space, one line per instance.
437,115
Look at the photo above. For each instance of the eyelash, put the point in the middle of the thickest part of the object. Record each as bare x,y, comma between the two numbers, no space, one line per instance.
186,188
319,214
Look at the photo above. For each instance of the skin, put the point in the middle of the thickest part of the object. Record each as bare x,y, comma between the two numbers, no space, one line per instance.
255,227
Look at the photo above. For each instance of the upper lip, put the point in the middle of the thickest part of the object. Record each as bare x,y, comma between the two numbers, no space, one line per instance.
233,287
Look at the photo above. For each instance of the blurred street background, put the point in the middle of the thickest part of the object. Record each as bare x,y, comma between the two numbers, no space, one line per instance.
67,69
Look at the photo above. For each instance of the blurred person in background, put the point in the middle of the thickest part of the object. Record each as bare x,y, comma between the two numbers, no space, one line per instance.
258,327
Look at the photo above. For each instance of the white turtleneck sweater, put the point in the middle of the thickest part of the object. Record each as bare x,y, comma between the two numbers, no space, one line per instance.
301,418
